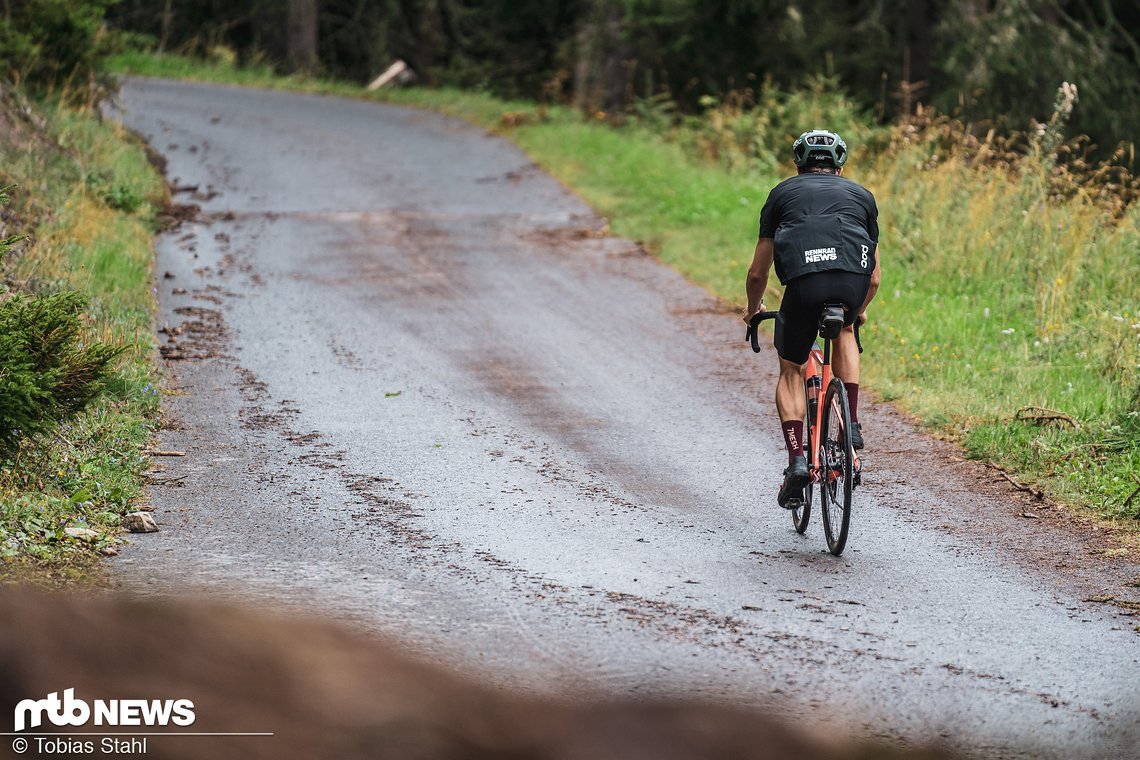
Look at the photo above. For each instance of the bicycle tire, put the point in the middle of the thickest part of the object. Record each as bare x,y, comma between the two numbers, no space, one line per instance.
801,515
837,462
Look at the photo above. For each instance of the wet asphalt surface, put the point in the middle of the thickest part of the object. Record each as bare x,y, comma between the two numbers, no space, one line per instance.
419,389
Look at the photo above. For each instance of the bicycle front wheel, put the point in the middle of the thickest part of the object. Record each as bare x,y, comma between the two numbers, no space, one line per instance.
836,467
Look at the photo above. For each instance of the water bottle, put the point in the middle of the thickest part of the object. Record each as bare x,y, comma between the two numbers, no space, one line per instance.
811,386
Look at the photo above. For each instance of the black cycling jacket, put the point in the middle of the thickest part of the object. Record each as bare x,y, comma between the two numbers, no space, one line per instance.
821,222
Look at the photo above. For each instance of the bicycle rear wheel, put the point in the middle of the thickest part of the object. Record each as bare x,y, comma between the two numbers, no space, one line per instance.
836,467
802,514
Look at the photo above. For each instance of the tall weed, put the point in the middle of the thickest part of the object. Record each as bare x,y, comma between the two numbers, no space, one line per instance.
753,129
1011,273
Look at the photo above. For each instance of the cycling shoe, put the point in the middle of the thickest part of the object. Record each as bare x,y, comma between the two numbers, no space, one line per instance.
797,476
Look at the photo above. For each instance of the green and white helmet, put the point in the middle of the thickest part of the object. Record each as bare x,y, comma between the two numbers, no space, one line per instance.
819,147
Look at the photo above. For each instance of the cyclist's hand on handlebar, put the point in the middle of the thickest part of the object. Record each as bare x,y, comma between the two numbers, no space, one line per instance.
861,319
747,315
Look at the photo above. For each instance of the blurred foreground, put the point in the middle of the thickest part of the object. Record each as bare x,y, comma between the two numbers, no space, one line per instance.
326,691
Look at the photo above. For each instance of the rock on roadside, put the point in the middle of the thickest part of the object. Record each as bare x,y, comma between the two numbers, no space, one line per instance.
139,522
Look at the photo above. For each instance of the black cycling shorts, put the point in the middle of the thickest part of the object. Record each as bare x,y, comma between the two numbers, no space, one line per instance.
797,324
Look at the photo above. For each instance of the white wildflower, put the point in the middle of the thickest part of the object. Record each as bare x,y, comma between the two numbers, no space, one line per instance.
1066,99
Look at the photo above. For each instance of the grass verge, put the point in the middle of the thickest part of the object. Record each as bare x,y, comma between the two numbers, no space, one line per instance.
89,200
1002,290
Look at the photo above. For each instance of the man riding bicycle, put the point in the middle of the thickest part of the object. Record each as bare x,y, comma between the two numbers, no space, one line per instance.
822,231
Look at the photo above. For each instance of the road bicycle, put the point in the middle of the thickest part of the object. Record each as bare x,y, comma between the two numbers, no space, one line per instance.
834,464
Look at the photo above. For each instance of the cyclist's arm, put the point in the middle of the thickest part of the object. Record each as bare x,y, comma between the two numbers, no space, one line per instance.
874,288
757,281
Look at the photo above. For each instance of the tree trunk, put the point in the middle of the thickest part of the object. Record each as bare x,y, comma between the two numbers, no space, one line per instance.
919,40
583,95
972,10
301,37
167,17
615,66
602,70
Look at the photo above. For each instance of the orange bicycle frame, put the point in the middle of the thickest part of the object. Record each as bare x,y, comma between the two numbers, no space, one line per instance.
817,367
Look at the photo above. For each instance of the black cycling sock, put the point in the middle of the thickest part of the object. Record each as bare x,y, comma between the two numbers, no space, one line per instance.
853,399
794,438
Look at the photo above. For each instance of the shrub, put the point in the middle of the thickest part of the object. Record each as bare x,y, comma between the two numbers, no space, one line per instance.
47,372
753,129
56,44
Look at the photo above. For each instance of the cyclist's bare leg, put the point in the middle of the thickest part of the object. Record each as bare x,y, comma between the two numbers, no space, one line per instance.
790,401
792,405
845,356
845,362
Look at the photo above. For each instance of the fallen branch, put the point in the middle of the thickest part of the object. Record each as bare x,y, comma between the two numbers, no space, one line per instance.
1126,604
161,453
166,481
1093,447
1128,501
1042,415
59,437
1037,492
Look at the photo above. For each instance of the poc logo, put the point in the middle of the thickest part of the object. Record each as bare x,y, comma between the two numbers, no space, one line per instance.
863,260
70,711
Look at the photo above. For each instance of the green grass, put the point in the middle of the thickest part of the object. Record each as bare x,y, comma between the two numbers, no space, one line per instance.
1002,287
91,208
222,70
1003,296
693,216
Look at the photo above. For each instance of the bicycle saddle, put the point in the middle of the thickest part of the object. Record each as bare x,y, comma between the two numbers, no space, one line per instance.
831,321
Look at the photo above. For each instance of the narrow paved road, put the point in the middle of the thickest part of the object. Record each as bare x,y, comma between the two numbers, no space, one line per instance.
418,388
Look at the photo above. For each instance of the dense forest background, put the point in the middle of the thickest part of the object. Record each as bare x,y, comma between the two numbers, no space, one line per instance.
995,61
999,60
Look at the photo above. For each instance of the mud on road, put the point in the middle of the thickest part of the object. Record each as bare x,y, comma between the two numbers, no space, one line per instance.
420,388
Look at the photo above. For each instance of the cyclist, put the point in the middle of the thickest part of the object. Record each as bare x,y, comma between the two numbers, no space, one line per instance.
821,230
